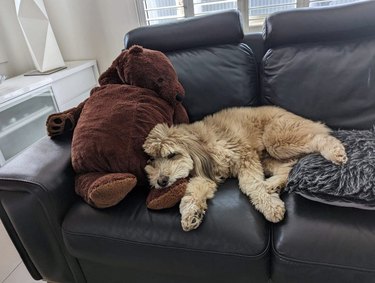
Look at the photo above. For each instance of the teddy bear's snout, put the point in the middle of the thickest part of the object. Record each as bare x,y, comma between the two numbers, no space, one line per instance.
179,97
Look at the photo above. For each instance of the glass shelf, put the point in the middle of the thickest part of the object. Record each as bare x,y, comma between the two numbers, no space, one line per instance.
22,121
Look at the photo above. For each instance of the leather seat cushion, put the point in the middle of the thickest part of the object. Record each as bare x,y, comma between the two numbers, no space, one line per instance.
322,243
233,239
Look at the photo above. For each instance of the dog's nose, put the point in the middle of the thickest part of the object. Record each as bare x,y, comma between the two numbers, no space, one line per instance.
163,181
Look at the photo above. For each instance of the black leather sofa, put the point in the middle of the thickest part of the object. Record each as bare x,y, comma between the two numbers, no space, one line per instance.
319,63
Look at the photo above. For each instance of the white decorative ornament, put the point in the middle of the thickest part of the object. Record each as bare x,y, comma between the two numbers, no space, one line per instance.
41,41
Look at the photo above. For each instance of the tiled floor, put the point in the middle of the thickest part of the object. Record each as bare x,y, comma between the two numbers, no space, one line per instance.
12,270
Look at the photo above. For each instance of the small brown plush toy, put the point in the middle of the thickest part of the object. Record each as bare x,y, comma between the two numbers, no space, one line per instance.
139,90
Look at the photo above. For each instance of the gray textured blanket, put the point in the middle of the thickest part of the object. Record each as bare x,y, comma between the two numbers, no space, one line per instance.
351,185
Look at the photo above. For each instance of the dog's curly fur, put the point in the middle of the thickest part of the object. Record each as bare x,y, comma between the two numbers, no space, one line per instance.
247,143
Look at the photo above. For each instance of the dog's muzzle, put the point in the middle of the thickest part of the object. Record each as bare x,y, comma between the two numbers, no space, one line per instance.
163,181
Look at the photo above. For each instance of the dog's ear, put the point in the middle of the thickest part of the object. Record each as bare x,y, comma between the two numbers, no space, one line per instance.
203,161
153,143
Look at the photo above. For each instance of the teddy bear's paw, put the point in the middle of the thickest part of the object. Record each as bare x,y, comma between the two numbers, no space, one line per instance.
56,124
168,197
110,189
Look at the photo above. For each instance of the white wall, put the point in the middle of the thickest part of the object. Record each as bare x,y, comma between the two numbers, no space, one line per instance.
3,56
19,59
84,29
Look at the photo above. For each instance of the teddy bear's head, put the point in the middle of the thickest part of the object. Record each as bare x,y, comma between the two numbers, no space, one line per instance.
145,68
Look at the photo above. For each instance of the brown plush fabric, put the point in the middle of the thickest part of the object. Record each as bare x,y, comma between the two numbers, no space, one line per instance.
112,128
59,123
139,90
168,197
104,190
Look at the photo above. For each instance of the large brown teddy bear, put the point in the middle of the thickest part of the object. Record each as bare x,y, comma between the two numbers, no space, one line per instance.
139,90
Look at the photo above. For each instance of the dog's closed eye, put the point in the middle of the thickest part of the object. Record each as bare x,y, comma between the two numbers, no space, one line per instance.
172,155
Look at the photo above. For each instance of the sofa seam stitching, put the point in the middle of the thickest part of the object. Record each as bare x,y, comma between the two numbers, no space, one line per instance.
260,255
329,265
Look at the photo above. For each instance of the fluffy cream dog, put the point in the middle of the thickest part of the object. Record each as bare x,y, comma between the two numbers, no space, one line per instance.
247,143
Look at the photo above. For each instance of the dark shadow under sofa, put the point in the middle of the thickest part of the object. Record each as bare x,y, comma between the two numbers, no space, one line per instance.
318,63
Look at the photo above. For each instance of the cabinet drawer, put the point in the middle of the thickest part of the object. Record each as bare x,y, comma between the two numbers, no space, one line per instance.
69,88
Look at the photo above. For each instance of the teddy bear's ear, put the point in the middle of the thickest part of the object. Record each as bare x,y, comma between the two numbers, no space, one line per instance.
135,49
114,74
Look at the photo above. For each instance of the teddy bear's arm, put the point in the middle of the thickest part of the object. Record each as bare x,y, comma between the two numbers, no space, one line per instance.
60,123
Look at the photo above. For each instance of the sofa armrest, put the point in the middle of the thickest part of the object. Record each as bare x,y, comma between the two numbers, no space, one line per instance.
36,190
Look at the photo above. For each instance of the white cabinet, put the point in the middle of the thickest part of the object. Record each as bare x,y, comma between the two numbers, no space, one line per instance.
73,85
22,121
26,102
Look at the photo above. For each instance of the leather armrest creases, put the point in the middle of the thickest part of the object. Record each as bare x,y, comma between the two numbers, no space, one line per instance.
36,191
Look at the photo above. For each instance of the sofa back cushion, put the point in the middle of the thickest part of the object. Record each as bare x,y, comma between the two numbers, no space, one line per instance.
217,28
323,68
216,77
214,67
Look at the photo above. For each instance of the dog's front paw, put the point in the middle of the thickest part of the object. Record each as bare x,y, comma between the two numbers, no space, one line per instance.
192,221
191,214
274,209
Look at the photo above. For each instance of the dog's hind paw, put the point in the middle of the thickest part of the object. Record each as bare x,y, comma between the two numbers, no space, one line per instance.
334,151
339,155
274,209
274,185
